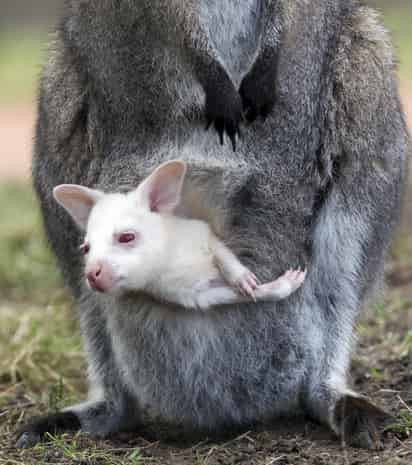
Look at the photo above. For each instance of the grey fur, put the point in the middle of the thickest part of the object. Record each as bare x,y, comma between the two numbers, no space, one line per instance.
317,184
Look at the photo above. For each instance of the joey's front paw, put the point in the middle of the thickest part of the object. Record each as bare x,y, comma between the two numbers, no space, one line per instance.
247,284
244,281
224,110
258,92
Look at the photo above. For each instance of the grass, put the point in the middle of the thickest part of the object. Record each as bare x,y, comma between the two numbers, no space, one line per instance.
27,269
38,334
72,450
404,425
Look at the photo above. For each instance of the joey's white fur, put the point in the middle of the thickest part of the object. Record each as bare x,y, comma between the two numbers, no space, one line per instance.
134,243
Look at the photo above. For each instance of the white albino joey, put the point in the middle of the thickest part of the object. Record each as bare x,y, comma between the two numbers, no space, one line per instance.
135,243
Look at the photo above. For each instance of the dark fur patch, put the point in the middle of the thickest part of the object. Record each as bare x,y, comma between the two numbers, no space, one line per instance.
258,89
223,104
35,430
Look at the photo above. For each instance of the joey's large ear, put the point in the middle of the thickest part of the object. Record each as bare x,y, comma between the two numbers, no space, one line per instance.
77,200
161,191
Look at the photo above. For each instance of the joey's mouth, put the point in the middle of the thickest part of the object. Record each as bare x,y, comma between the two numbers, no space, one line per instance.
98,288
119,286
104,287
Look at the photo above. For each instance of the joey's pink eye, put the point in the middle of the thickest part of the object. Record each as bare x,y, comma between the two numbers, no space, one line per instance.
126,238
85,248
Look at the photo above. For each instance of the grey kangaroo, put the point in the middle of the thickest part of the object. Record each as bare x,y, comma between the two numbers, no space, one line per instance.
316,181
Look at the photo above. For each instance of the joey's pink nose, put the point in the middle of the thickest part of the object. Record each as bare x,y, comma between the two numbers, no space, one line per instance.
99,277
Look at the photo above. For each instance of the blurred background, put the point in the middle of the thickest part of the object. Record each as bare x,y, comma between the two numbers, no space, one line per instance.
39,341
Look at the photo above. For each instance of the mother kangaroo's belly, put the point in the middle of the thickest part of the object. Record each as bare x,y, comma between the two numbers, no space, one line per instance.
209,370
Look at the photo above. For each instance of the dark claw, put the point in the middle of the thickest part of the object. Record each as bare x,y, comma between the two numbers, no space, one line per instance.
223,108
251,114
220,128
232,131
266,109
258,94
33,432
233,140
27,440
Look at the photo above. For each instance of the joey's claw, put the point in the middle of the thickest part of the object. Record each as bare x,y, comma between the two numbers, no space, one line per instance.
288,273
247,285
253,282
283,286
246,290
295,275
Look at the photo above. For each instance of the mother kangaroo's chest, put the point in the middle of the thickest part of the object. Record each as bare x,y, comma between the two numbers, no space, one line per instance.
234,28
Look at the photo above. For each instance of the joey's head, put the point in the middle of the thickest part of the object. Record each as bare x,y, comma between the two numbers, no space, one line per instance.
125,234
